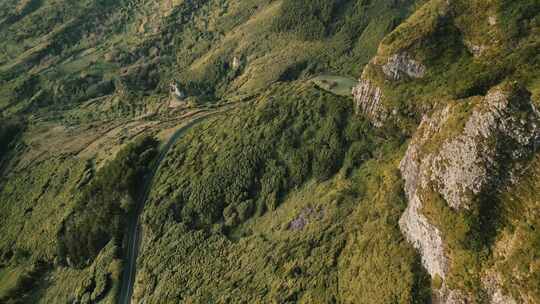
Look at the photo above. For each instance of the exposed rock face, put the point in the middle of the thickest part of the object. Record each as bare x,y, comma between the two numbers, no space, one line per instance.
415,226
448,296
493,290
424,236
176,91
459,162
399,65
368,98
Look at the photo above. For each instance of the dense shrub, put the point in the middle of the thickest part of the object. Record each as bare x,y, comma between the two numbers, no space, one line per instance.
314,20
102,209
520,16
308,18
9,130
263,154
253,197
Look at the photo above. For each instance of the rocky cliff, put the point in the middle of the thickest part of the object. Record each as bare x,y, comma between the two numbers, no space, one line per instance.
448,70
460,154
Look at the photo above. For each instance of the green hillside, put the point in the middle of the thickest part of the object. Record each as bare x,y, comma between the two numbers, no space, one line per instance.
270,151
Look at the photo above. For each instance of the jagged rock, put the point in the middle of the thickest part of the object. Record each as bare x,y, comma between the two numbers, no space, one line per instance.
402,64
176,91
460,161
492,285
465,160
368,98
447,296
423,235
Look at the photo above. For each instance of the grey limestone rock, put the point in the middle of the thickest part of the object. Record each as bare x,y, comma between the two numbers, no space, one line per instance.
368,98
460,152
402,64
368,95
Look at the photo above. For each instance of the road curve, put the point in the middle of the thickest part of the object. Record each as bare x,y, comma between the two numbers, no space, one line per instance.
134,227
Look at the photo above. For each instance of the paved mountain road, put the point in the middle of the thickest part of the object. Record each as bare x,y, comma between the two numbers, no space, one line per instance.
134,232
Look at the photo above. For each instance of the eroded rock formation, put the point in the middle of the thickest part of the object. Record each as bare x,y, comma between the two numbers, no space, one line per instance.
459,152
402,64
368,99
368,95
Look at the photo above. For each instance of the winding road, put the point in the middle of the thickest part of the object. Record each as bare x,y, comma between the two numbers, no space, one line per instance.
134,231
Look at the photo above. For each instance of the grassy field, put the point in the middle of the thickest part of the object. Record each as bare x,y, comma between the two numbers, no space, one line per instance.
337,85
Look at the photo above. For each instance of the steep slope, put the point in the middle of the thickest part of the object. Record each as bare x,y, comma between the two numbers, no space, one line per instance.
467,71
423,188
249,208
59,56
84,80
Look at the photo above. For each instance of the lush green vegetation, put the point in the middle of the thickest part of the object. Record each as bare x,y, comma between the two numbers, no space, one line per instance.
519,18
316,17
521,234
9,130
250,170
101,213
115,54
287,202
17,283
77,66
290,199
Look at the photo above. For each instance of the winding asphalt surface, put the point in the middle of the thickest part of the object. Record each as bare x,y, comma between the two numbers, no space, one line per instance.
134,227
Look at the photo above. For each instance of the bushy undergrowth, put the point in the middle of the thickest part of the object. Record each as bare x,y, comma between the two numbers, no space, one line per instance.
315,15
9,130
91,50
285,201
291,200
102,210
517,247
284,141
519,17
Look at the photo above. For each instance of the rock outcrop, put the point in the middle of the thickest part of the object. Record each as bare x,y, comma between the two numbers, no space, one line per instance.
402,64
236,63
368,98
446,295
493,290
460,152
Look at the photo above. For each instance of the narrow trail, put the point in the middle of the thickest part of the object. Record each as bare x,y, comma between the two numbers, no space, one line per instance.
134,231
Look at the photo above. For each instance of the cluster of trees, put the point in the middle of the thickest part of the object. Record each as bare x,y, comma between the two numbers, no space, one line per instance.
229,190
281,145
519,17
25,283
313,20
102,211
9,130
315,17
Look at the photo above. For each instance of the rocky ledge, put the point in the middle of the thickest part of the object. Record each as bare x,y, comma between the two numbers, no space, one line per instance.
368,96
368,99
402,64
459,152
